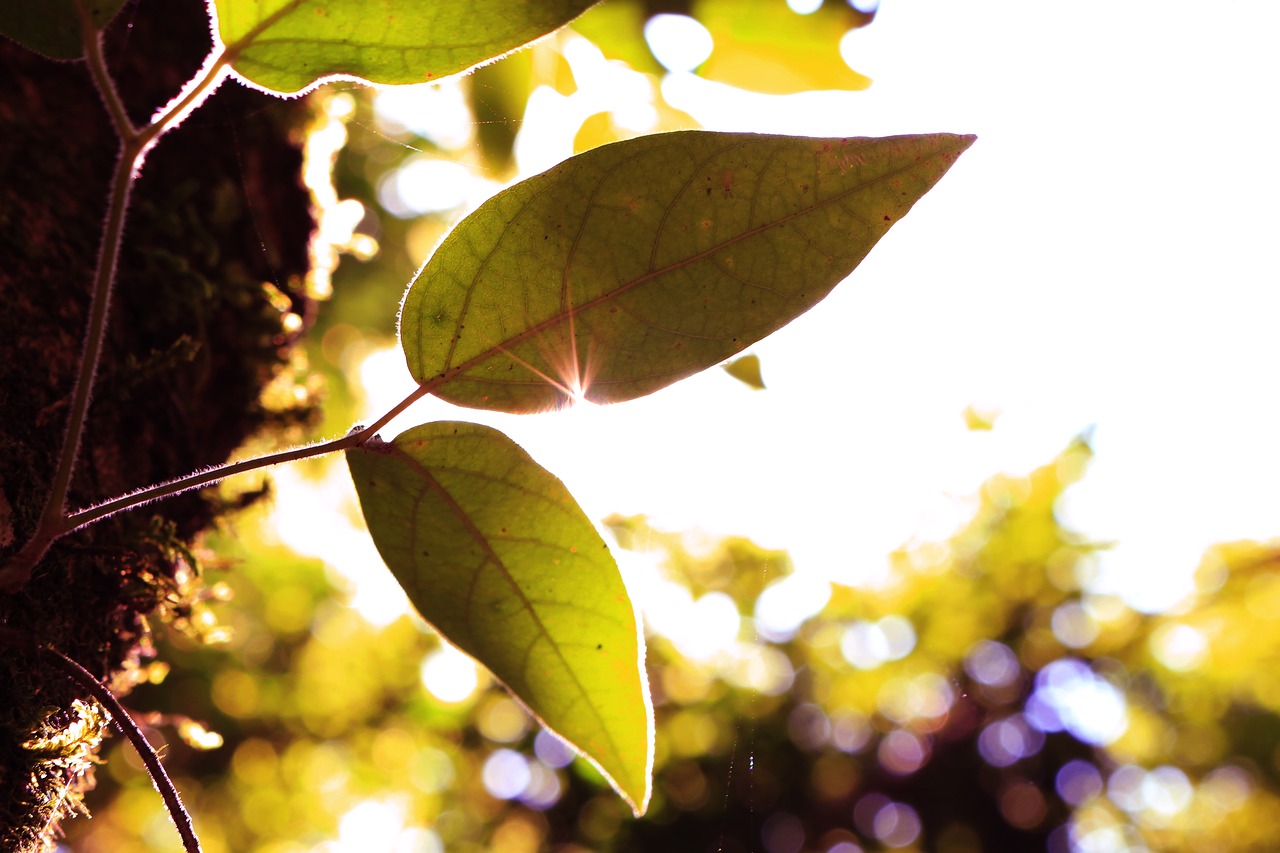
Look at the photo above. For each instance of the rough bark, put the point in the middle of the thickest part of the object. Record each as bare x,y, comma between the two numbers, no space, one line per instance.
217,232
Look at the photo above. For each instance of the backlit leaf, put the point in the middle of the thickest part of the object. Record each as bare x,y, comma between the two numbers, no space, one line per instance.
52,27
747,371
496,555
633,265
288,46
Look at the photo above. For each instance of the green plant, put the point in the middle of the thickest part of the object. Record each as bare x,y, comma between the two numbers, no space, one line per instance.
610,276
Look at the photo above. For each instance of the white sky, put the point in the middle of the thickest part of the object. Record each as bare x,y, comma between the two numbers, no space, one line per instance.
1104,255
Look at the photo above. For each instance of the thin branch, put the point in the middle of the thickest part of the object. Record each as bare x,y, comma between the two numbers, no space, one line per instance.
92,39
95,334
355,438
127,726
15,573
372,429
216,67
186,483
134,144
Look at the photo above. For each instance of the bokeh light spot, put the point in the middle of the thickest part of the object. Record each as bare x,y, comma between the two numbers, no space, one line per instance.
552,751
1074,627
449,675
1022,805
991,663
370,825
867,645
903,753
1007,741
897,825
502,720
1227,788
427,185
850,732
680,43
864,813
1125,788
544,788
1078,782
764,669
786,604
808,726
434,111
1166,790
431,770
1087,705
1180,648
506,774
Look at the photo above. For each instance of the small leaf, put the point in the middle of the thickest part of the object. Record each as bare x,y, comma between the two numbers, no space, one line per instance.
52,27
497,556
980,418
633,265
288,46
747,371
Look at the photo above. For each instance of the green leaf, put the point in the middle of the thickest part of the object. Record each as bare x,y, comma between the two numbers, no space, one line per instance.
747,371
497,556
289,46
636,264
52,27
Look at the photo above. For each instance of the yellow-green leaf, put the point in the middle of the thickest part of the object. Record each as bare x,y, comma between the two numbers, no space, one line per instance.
498,557
747,371
633,265
52,27
288,46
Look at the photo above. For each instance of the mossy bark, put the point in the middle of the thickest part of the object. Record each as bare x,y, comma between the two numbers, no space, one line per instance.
218,230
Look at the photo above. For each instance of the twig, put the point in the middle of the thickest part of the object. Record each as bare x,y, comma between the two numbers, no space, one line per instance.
92,39
355,438
129,728
134,144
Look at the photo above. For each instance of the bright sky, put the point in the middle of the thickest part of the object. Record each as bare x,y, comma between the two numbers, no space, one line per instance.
1104,255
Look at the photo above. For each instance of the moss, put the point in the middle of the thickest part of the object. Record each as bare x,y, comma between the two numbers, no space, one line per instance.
216,233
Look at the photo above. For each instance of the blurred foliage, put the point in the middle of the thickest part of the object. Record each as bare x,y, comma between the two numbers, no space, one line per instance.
985,697
981,698
761,45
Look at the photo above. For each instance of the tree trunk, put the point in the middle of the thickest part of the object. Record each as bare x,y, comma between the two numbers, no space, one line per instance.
215,255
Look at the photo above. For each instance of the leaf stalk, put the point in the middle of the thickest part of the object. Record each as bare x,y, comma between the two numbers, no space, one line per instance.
355,438
126,724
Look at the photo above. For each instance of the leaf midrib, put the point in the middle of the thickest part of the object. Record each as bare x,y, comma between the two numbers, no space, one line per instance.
492,556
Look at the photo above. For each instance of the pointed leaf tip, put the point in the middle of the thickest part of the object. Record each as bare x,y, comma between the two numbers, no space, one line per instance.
494,552
636,264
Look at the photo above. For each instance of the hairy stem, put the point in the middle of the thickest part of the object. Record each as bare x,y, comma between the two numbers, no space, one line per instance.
205,82
134,144
92,39
186,483
127,726
355,438
15,573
